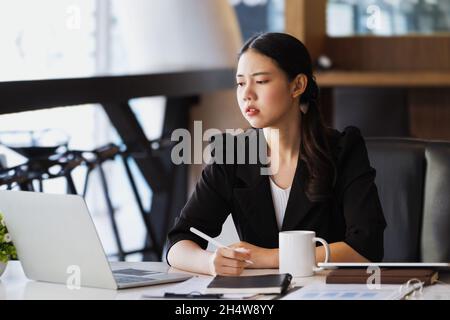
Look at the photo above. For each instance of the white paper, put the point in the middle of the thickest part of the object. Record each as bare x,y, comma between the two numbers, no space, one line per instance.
345,292
434,292
195,285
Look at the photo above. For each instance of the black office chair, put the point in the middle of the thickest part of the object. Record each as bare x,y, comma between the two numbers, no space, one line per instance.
413,180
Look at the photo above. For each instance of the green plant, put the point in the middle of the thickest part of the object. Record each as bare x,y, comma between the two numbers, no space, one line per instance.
7,249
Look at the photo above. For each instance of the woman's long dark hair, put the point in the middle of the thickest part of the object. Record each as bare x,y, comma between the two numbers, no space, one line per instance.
291,56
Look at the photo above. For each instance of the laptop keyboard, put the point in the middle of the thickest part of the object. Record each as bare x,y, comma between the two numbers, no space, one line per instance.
133,275
134,272
130,279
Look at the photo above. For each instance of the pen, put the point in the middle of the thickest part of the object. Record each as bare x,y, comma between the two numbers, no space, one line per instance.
193,295
213,241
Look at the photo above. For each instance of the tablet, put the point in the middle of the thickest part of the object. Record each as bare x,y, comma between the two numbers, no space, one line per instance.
432,265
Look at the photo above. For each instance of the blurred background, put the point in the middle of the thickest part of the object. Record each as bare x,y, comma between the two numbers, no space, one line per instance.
382,65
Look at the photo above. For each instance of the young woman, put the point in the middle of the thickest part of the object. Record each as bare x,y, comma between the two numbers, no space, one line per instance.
324,181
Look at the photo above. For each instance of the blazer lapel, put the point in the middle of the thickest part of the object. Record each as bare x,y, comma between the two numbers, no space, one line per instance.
298,204
256,202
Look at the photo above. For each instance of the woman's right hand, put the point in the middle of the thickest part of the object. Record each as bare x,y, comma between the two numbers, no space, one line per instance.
229,262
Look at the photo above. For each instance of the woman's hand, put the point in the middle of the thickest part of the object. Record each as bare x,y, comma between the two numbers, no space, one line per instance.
261,257
229,262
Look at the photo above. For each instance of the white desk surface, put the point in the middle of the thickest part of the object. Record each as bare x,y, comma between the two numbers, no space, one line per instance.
15,286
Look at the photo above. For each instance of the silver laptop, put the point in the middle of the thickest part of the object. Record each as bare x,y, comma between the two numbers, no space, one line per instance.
56,241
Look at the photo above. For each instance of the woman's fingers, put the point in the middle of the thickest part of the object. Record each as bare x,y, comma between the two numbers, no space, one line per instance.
229,271
241,254
222,260
226,261
233,263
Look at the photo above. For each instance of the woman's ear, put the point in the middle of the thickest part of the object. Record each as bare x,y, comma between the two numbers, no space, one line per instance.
299,85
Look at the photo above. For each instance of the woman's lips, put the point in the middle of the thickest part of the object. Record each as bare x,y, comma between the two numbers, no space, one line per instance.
251,111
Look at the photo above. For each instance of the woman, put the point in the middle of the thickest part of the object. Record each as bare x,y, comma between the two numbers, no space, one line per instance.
324,181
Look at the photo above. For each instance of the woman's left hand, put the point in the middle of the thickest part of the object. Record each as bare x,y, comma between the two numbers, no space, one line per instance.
261,257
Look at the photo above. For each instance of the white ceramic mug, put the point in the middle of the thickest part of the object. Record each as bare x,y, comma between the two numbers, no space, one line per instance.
297,252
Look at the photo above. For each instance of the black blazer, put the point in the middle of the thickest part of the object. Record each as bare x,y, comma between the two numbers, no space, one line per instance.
354,215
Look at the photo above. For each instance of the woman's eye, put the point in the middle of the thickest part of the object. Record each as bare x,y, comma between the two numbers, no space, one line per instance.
262,81
239,84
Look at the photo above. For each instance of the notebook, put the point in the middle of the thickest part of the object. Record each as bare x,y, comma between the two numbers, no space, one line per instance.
263,284
387,276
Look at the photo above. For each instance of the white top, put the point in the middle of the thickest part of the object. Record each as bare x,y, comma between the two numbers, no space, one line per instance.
280,199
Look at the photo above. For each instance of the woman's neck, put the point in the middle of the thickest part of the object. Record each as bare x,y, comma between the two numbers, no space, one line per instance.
287,140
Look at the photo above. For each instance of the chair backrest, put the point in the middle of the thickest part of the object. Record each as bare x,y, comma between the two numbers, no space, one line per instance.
413,180
436,215
400,166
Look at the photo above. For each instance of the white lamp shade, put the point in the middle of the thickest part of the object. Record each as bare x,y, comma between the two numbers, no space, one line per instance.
180,35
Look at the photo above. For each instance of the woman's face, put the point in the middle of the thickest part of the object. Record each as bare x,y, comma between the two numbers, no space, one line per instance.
263,91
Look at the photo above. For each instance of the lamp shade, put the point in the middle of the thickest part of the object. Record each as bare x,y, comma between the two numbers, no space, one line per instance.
178,35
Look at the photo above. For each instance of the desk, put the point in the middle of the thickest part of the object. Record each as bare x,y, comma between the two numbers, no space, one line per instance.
15,286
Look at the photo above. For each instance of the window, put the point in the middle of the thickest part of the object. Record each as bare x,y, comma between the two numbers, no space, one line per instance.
64,39
387,17
47,39
256,16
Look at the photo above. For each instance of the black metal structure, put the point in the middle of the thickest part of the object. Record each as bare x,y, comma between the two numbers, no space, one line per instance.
167,181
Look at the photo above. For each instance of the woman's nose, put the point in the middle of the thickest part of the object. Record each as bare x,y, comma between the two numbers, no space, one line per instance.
248,93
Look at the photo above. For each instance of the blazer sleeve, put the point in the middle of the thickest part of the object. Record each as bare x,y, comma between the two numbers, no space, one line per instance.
207,208
358,194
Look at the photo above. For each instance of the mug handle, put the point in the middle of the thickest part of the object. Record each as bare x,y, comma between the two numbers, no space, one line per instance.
327,252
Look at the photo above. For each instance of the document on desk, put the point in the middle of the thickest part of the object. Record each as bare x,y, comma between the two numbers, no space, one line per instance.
435,292
194,287
346,292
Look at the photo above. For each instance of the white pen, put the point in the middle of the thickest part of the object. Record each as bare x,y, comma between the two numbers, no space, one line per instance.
215,242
